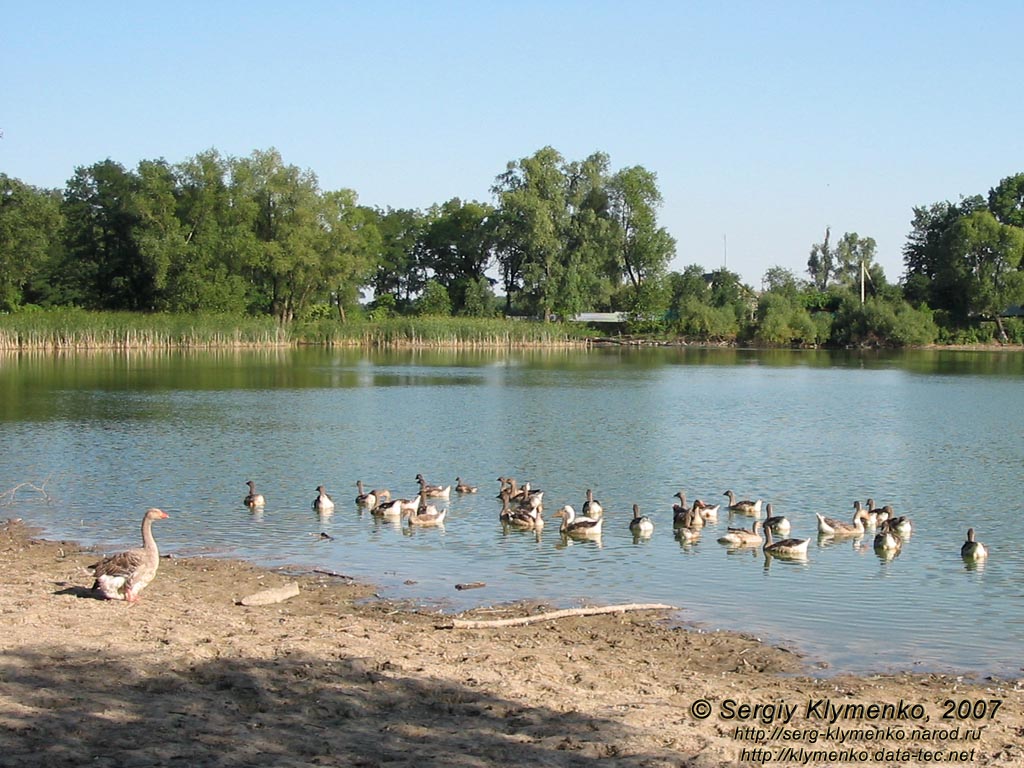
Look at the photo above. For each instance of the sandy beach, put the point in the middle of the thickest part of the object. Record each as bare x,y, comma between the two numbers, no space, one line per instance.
336,676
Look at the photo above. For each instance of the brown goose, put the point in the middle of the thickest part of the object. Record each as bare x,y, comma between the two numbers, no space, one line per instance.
372,498
253,499
741,537
432,491
829,526
124,575
461,487
973,550
745,507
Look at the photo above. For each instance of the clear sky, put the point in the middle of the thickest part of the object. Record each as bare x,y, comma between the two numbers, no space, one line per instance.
765,122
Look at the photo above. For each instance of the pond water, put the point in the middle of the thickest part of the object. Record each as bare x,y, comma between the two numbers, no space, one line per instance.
938,435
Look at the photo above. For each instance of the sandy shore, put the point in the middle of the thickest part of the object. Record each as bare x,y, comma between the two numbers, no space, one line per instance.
335,676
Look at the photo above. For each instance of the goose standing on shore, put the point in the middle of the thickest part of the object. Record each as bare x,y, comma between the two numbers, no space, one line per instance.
745,507
972,549
322,503
124,575
253,499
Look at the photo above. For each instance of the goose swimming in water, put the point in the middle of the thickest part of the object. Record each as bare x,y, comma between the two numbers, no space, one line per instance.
786,547
372,498
745,507
778,524
461,487
576,526
972,549
322,503
686,516
829,526
888,542
741,537
592,508
124,575
900,525
433,491
640,525
253,499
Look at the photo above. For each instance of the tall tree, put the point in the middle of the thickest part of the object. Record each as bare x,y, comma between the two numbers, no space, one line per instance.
103,268
982,271
457,246
927,249
349,241
395,271
821,262
286,203
853,254
644,248
1006,200
30,224
534,216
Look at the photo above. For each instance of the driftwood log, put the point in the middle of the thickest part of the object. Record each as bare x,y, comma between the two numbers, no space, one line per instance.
550,615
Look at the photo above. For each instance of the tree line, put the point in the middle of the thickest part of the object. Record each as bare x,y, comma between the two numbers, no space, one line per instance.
254,235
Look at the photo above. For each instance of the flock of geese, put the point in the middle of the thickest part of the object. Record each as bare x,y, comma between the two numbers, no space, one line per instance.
522,507
124,575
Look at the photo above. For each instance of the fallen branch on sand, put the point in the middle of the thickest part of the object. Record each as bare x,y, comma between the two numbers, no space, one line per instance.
489,623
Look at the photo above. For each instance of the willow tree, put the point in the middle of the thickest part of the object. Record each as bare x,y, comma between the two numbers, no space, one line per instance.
534,216
643,249
285,206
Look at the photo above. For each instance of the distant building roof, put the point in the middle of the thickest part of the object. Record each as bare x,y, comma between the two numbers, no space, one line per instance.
600,317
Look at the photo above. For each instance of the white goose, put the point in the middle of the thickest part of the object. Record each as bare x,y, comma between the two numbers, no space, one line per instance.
576,526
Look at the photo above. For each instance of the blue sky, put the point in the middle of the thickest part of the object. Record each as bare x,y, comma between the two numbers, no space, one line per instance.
765,122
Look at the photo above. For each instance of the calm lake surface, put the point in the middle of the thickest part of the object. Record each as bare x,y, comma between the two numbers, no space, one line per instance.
936,434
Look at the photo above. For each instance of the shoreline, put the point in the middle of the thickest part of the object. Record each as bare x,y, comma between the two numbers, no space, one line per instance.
338,676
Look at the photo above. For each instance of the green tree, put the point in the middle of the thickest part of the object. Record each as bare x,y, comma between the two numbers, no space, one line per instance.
288,234
852,254
644,249
983,267
395,270
821,262
102,266
30,224
1006,200
928,248
349,239
457,245
435,300
534,216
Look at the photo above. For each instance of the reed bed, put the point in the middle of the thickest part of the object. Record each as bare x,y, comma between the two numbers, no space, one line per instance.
72,330
69,329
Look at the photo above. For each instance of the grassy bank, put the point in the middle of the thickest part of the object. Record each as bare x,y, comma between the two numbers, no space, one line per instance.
69,329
